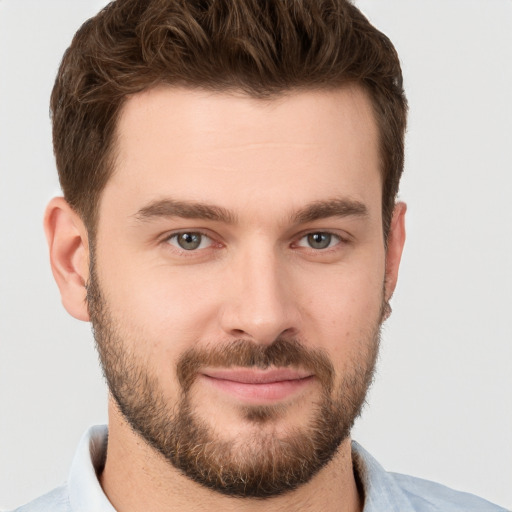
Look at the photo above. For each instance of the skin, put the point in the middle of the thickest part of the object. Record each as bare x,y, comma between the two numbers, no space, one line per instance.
254,277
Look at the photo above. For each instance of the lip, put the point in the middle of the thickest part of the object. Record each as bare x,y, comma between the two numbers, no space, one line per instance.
258,386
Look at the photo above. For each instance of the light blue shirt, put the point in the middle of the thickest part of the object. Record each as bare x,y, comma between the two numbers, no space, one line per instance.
383,491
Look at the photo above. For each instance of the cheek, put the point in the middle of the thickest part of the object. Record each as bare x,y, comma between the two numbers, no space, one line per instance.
167,308
345,310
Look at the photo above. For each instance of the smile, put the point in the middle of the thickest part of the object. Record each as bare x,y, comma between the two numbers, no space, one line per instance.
258,386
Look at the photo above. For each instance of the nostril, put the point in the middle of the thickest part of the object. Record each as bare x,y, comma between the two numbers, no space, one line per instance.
291,331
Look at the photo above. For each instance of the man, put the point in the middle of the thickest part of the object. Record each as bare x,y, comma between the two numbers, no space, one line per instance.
230,229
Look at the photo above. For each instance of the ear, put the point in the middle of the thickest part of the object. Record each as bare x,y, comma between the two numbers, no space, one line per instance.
68,242
396,241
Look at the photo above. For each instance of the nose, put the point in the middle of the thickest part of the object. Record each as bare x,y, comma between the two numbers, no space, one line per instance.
261,304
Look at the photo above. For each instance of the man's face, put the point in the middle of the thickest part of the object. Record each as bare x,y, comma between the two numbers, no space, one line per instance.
239,279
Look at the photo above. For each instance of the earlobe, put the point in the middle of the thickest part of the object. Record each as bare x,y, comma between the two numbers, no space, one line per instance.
69,255
396,241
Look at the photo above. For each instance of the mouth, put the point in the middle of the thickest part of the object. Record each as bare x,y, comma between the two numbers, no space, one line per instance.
256,386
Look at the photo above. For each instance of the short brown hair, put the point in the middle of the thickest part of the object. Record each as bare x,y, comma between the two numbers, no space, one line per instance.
261,47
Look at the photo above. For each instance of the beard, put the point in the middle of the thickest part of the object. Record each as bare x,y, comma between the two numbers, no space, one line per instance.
265,463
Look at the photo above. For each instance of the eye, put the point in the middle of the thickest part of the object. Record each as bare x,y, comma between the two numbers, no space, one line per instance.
190,240
319,240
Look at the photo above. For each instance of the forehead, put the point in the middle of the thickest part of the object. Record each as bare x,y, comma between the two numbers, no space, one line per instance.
228,148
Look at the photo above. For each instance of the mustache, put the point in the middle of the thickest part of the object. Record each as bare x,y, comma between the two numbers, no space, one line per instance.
245,353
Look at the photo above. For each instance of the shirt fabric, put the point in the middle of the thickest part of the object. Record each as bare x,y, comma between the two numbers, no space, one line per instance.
383,491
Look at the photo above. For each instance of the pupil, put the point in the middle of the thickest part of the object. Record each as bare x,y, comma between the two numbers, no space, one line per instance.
189,241
319,240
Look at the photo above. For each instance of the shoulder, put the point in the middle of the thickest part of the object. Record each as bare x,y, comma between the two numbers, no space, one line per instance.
393,492
54,501
430,496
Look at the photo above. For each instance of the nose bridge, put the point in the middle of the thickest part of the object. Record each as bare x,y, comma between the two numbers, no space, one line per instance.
260,306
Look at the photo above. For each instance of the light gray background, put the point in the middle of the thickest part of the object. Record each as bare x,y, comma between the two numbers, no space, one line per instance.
441,407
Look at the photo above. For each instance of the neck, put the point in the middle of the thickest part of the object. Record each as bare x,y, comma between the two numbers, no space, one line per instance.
136,477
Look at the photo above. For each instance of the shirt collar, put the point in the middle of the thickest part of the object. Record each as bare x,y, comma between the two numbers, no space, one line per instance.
380,489
85,492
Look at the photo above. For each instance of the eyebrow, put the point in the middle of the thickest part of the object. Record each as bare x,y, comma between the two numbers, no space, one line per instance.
339,207
185,210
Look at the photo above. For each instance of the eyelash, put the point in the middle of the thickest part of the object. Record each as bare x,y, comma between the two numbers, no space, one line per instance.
190,252
330,234
194,252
